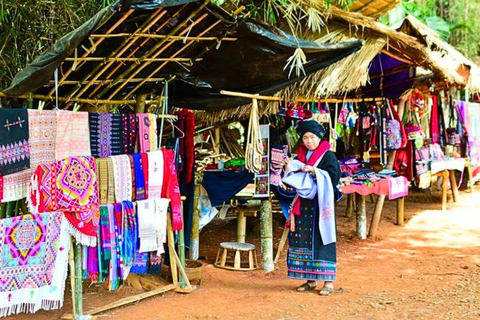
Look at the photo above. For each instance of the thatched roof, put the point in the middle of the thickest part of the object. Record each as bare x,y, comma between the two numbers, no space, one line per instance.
353,72
443,53
373,8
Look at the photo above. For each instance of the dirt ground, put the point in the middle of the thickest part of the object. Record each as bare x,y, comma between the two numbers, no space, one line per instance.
428,269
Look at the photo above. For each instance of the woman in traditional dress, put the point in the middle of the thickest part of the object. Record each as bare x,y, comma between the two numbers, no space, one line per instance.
312,239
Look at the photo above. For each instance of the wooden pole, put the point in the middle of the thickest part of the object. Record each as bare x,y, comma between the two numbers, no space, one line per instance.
160,36
195,237
78,303
140,103
283,240
400,211
69,99
171,251
444,189
361,217
372,233
266,235
181,254
453,185
241,226
71,261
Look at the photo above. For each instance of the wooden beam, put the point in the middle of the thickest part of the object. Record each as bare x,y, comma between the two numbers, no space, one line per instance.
162,36
108,80
136,60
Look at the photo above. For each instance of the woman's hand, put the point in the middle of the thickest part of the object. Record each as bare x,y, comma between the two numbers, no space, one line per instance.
283,186
308,169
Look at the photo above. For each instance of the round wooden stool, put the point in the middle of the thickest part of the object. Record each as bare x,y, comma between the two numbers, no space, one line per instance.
236,264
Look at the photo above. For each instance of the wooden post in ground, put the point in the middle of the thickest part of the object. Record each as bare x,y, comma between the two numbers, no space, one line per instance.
361,217
78,303
241,226
171,250
283,240
400,211
266,235
195,237
350,205
444,189
453,185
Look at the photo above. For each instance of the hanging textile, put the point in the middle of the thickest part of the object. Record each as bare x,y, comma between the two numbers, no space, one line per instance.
145,172
73,135
254,146
129,236
139,177
155,174
180,134
171,188
105,244
42,126
146,225
100,134
132,168
34,262
69,185
189,153
14,144
102,170
161,211
123,178
129,133
147,132
435,122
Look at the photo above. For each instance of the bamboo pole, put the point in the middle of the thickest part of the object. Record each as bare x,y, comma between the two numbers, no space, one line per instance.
92,48
171,251
266,235
361,217
3,211
10,209
195,237
71,262
78,303
136,60
272,98
69,99
400,211
107,81
181,254
154,51
140,103
283,240
161,36
173,56
241,226
17,208
127,43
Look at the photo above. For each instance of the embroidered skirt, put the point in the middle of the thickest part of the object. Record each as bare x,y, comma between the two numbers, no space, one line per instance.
308,258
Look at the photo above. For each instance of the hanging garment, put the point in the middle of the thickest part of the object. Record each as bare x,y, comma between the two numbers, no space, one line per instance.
161,211
105,243
129,132
34,262
189,154
100,134
155,174
129,236
102,170
14,145
113,276
435,122
42,128
139,177
70,186
123,178
145,172
146,225
147,132
132,168
73,135
171,189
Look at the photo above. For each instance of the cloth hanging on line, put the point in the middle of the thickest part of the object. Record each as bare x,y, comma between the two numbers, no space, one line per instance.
139,177
398,187
34,262
42,126
146,225
123,178
147,132
155,174
14,145
132,168
70,186
171,189
106,134
129,126
73,135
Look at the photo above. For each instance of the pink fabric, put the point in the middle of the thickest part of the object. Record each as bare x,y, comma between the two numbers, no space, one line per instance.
171,189
147,132
73,135
398,187
42,128
434,124
380,187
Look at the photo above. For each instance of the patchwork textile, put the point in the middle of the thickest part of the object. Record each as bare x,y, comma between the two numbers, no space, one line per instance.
69,185
73,134
14,145
34,257
123,178
42,128
147,132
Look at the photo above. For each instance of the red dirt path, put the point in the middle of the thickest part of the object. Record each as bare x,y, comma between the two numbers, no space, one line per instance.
429,269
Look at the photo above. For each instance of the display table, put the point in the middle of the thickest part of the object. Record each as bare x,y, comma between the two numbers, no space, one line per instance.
446,169
394,188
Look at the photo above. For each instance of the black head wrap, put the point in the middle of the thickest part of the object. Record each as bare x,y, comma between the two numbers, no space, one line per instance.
310,126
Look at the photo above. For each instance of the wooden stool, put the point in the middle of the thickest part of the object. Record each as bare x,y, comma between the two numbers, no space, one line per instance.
236,264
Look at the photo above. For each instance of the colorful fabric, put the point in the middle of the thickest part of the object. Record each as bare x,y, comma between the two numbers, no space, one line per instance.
155,263
111,181
129,133
100,134
105,243
113,276
129,244
70,186
147,132
398,187
14,141
123,178
102,171
42,128
140,263
118,130
155,174
434,121
73,135
189,153
34,259
145,172
146,225
161,211
132,168
180,133
171,188
139,177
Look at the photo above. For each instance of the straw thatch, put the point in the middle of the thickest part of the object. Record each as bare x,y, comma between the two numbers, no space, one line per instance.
443,53
373,8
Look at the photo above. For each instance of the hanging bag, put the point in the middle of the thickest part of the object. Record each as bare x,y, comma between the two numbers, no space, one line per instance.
393,129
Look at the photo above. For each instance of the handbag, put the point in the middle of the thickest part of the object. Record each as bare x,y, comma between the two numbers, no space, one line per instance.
413,131
394,131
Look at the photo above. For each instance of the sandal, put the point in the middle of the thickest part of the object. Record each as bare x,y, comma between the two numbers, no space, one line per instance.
306,287
326,291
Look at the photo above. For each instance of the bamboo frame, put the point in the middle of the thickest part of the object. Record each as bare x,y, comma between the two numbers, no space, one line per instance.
136,60
65,99
161,36
105,81
271,98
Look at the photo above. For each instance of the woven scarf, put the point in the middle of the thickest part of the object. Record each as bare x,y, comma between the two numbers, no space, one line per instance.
113,271
155,174
118,214
161,211
111,181
132,169
434,121
171,188
189,153
139,177
146,225
34,262
73,135
14,145
140,262
179,132
102,169
105,247
42,128
117,135
100,134
129,132
123,178
145,172
92,263
69,185
147,132
129,236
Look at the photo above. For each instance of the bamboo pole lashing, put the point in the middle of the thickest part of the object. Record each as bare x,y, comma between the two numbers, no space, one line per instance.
127,43
159,48
67,73
152,51
136,60
173,56
161,36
